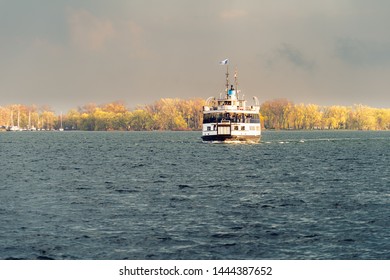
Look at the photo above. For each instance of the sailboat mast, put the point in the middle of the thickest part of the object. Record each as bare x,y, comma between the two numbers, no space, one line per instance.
12,118
18,118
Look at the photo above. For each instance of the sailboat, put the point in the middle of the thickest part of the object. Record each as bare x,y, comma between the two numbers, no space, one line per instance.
61,128
30,127
14,127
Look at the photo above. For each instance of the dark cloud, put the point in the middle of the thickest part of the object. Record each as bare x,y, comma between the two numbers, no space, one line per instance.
294,56
363,53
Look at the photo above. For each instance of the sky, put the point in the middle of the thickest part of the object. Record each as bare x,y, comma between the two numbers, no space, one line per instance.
68,53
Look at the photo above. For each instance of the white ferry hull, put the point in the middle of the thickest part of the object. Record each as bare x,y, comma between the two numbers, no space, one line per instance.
234,132
232,138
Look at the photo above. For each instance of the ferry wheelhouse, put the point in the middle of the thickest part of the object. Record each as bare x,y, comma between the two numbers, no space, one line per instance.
229,118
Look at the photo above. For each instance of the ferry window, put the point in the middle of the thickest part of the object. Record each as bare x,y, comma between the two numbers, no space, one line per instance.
212,117
236,127
253,118
208,128
206,118
252,128
243,127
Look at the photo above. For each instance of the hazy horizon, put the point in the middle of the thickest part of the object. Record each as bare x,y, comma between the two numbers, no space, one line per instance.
69,53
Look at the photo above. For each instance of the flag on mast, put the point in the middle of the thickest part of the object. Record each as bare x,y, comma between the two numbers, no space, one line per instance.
224,62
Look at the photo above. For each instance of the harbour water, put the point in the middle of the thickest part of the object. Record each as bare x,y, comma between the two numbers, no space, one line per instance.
167,195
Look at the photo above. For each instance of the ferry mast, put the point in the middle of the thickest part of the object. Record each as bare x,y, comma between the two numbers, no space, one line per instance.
226,62
227,79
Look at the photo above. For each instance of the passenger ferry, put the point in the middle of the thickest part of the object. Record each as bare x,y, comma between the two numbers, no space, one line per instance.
229,118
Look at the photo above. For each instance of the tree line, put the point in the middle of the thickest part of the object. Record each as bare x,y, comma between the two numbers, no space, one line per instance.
179,114
284,114
164,114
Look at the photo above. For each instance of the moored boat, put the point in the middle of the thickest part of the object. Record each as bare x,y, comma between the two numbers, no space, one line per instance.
229,118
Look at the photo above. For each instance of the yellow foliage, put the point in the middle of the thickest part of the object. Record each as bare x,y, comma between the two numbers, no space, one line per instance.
178,114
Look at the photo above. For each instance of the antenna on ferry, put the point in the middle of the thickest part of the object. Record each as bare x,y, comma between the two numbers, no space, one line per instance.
226,62
236,80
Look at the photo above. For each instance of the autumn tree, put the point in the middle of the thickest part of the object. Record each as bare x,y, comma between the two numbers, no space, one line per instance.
4,116
276,113
312,116
141,120
166,115
382,117
335,117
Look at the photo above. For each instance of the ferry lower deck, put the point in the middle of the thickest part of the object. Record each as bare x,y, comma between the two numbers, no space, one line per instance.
231,138
230,131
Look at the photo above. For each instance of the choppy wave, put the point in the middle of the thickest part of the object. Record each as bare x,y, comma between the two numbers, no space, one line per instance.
153,195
